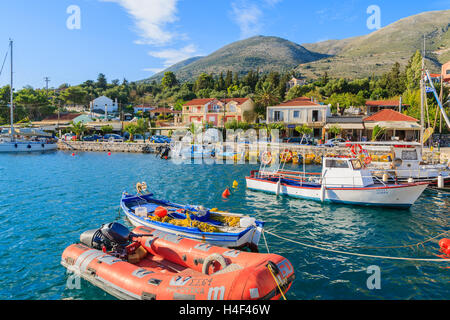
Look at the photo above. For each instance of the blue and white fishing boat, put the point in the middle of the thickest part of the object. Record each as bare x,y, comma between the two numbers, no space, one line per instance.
218,228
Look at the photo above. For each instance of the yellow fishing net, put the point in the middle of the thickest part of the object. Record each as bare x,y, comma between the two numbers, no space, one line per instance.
231,221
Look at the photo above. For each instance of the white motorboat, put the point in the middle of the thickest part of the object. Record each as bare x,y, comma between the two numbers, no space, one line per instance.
342,180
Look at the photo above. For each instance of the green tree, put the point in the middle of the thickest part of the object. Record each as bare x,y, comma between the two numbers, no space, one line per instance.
107,129
266,96
132,129
169,80
303,130
78,128
335,130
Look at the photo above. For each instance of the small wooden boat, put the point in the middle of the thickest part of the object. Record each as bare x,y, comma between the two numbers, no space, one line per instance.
153,265
342,180
195,222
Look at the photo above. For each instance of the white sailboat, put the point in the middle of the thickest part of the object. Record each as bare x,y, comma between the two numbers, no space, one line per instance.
23,140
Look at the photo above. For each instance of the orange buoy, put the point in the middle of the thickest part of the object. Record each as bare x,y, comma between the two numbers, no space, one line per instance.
226,193
161,212
445,246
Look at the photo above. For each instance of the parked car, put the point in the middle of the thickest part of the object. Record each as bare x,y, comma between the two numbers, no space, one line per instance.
299,140
138,138
160,139
333,142
112,138
69,137
94,137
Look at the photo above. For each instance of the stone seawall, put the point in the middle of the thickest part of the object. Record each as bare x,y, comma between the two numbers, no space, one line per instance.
429,156
107,146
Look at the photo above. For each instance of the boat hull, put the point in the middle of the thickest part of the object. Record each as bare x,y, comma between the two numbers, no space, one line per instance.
176,268
248,238
396,196
21,147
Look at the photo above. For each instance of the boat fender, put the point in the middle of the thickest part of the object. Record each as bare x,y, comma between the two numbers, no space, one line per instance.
445,246
322,193
440,182
210,260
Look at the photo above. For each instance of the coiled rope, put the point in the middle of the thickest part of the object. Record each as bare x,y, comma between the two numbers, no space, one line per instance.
355,253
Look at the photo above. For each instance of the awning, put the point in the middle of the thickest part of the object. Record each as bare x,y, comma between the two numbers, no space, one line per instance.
393,125
346,126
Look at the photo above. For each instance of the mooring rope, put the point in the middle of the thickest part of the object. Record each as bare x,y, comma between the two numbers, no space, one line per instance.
355,253
412,246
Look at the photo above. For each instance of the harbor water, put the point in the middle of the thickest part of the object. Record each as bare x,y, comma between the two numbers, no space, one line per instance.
47,200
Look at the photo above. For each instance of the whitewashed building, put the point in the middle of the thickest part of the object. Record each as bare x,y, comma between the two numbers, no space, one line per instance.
300,111
105,104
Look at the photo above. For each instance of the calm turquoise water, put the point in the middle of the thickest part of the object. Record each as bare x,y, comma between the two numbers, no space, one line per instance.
47,200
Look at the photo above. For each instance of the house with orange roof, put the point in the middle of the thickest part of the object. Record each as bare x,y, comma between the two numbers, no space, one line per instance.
398,126
373,106
297,112
217,111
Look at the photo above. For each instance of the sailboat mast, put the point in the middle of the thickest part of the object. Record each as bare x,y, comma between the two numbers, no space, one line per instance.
422,84
12,94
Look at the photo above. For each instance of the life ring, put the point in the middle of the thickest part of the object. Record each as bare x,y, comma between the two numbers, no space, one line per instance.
356,149
210,260
266,158
286,156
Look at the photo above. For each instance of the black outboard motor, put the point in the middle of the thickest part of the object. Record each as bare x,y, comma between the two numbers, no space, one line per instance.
113,236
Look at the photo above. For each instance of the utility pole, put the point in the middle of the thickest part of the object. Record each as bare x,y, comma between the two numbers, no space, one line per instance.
47,80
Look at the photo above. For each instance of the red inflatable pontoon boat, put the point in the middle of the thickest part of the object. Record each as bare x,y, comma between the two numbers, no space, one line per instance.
154,265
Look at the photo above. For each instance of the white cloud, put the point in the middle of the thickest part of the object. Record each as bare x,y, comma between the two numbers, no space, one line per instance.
247,16
172,56
151,18
153,70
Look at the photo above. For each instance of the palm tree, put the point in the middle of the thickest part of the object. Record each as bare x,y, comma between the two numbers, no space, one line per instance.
78,128
266,96
377,132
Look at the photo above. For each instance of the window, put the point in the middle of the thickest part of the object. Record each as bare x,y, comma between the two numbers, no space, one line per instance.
315,116
448,71
296,114
409,155
336,164
356,164
232,108
277,116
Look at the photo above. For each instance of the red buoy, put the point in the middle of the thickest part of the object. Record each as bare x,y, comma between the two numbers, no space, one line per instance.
109,153
226,193
445,246
73,154
161,212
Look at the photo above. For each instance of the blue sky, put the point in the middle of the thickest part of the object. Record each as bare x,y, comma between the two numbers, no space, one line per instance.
132,39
